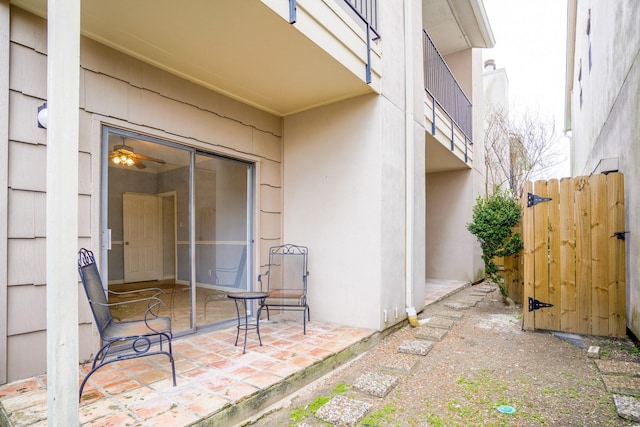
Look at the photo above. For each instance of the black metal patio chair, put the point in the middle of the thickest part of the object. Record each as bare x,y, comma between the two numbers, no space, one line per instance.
127,339
286,280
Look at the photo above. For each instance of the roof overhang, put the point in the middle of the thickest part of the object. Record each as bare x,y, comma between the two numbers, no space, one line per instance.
242,49
456,25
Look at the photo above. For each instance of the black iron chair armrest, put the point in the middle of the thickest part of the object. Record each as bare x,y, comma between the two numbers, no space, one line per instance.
157,291
152,302
260,280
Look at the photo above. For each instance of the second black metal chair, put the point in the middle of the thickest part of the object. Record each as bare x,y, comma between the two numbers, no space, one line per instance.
286,280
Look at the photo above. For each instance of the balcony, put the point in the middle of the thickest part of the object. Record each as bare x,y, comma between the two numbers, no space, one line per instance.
453,28
250,51
448,111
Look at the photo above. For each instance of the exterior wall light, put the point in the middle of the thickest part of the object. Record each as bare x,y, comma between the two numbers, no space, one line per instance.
43,116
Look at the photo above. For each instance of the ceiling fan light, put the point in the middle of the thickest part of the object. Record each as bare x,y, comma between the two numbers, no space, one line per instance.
129,161
116,160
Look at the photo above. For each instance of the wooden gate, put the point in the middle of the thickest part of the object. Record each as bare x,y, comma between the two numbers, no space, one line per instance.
574,255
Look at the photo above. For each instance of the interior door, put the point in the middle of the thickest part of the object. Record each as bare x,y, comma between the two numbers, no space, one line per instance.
142,237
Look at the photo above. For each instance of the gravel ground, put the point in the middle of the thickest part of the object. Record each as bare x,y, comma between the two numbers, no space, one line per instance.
483,361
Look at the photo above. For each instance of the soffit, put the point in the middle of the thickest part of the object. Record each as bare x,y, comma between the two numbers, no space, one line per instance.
439,158
456,25
239,48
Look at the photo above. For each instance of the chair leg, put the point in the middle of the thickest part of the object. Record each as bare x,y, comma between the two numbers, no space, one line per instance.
94,368
86,378
169,337
304,321
173,365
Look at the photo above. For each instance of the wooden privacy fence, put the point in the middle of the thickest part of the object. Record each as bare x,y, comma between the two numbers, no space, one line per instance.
573,263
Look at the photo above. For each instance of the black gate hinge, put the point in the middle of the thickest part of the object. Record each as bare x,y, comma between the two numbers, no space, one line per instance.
533,199
620,234
534,304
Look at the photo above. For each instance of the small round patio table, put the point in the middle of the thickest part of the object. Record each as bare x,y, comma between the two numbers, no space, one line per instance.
254,324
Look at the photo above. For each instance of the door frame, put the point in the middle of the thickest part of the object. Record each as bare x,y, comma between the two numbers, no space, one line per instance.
253,166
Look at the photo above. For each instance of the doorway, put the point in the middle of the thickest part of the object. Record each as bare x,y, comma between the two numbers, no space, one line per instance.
177,219
142,236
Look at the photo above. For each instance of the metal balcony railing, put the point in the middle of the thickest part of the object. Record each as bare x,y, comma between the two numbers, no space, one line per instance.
367,11
442,86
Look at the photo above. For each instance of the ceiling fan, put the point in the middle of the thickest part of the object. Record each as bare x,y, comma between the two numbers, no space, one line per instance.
124,155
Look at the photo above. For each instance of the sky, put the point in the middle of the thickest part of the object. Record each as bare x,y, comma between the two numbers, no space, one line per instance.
531,46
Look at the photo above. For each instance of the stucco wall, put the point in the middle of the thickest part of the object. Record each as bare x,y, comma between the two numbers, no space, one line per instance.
123,92
449,245
479,162
345,200
332,160
606,125
345,174
614,41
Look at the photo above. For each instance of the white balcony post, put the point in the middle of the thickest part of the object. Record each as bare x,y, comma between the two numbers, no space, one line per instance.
63,68
4,176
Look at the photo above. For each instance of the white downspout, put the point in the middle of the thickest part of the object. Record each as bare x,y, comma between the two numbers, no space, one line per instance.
63,92
409,156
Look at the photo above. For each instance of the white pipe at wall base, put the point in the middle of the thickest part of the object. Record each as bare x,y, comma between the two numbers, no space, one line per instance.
413,316
409,152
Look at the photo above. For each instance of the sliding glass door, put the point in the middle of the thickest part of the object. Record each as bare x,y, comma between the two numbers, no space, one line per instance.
221,235
178,220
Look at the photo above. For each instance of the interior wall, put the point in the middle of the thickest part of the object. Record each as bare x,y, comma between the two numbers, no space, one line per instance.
168,238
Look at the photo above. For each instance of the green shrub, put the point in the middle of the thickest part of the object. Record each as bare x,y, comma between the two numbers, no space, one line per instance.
494,219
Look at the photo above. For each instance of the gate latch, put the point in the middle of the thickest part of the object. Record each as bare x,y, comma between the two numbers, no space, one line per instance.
534,304
534,199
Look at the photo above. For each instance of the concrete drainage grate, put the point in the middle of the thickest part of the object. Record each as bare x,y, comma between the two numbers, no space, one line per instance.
376,384
343,411
420,348
628,407
431,334
450,315
437,322
458,305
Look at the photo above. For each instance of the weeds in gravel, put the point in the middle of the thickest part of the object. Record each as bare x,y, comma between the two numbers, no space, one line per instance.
476,404
317,403
297,414
340,388
386,414
300,413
